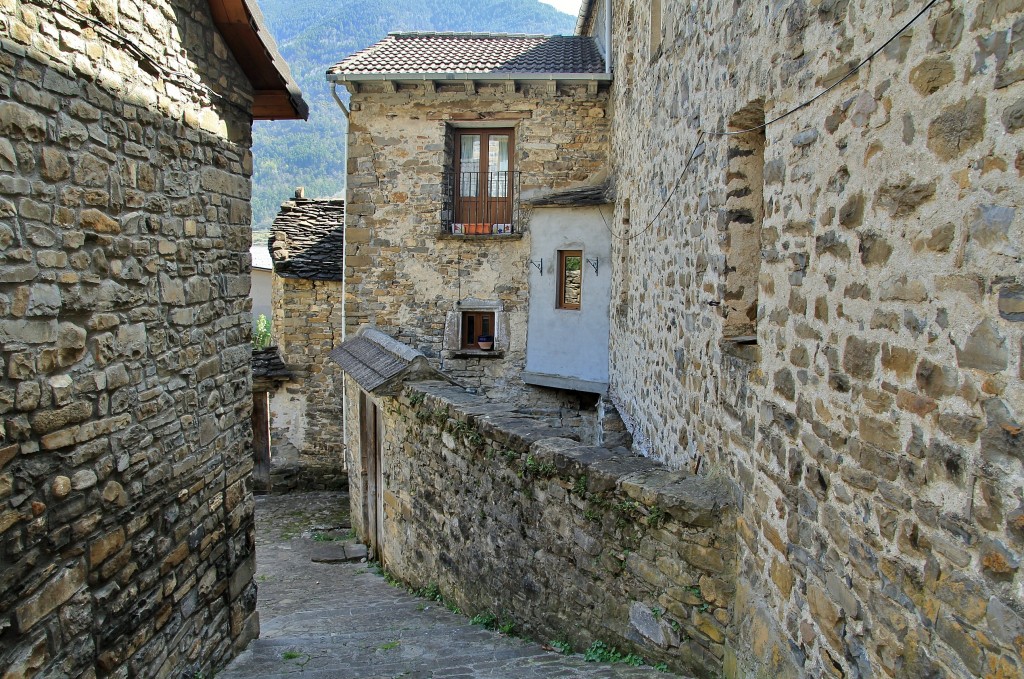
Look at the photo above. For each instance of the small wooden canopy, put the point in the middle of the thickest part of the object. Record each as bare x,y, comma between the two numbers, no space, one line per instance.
381,364
276,95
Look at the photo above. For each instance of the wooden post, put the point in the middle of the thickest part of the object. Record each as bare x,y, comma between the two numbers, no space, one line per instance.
261,440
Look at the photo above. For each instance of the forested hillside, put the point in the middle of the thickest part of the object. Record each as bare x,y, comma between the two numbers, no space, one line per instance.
315,34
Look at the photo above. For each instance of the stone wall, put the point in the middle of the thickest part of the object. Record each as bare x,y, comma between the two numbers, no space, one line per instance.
126,516
306,412
874,423
402,274
571,542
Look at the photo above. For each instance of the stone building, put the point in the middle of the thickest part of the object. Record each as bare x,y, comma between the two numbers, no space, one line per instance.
467,157
825,310
815,342
477,162
126,514
307,243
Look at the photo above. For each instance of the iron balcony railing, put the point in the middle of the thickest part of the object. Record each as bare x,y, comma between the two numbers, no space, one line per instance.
480,203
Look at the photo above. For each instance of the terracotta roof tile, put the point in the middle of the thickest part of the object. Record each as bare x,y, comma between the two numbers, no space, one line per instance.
474,53
307,240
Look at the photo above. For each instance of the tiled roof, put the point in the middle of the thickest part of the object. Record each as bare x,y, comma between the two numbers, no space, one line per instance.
267,363
379,363
474,54
307,240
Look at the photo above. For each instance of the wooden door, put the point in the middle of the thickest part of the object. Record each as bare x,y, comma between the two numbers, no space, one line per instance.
484,175
370,453
261,440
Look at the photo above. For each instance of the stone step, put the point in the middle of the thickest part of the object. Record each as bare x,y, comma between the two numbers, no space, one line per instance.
336,552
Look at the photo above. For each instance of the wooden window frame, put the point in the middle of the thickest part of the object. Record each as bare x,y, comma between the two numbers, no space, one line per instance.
481,209
560,302
478,318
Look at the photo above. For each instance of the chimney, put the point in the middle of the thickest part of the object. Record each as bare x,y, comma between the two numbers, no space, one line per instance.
300,193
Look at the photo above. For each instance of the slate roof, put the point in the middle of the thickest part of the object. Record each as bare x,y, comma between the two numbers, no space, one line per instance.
581,196
267,363
473,54
307,240
380,363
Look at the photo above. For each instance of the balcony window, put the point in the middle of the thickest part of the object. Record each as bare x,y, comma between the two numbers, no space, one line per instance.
482,187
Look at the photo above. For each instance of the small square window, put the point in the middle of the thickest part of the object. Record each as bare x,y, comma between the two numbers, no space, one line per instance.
477,325
570,279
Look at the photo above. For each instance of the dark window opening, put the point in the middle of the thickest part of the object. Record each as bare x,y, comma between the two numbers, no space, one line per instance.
477,324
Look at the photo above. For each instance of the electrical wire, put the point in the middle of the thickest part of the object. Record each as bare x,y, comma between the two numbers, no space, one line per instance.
834,85
726,133
668,199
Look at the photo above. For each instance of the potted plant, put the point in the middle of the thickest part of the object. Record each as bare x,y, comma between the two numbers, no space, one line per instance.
485,342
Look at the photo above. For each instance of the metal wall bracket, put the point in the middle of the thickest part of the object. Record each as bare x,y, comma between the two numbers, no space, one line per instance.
538,264
593,263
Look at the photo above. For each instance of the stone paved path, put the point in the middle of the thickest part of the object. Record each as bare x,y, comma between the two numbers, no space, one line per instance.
344,621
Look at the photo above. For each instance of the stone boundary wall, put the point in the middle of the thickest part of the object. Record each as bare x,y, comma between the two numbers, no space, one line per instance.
569,541
126,515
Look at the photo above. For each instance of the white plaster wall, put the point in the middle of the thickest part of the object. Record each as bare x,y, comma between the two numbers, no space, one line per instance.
288,414
260,293
566,342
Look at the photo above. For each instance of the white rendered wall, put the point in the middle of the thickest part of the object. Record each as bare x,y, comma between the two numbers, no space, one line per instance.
260,293
566,342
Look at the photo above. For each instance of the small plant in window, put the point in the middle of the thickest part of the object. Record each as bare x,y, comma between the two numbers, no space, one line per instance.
478,330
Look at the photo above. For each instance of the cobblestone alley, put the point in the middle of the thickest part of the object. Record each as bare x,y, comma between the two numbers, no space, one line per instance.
342,620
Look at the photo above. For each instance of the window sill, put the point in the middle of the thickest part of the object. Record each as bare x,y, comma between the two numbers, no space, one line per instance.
444,235
478,353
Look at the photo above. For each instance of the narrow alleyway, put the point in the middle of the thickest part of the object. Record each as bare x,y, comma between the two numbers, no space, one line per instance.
343,620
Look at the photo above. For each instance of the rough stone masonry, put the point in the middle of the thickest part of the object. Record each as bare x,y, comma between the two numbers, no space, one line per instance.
873,419
126,517
825,313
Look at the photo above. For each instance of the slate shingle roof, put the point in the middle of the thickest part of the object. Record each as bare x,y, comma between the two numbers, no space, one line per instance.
307,240
267,363
369,364
379,363
474,54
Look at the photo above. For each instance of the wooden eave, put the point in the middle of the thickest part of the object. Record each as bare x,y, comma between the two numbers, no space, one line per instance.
470,81
276,96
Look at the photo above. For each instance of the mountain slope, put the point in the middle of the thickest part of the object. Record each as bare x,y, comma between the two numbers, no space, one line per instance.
313,35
